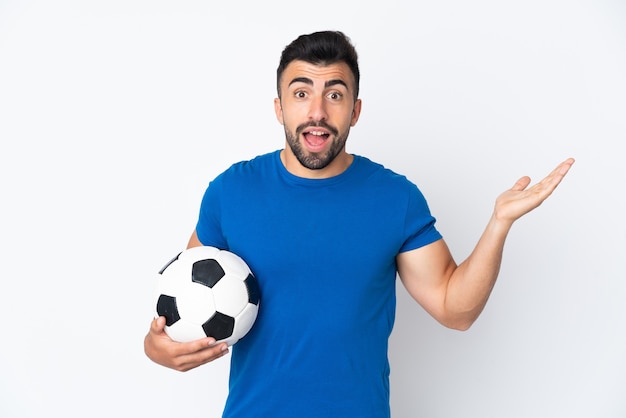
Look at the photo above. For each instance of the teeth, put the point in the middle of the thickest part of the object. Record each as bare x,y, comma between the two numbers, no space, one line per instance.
316,133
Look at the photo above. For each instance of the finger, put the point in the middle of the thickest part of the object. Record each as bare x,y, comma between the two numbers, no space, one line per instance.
158,325
554,178
202,356
561,170
564,167
203,345
550,181
521,184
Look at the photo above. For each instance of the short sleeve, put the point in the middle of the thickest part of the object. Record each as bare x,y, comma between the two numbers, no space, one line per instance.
208,227
420,227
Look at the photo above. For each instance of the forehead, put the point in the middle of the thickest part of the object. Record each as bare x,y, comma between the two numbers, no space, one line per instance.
319,74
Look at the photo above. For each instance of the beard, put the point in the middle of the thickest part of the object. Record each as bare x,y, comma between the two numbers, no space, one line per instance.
316,160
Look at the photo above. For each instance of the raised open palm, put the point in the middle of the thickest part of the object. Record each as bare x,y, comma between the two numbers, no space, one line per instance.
521,199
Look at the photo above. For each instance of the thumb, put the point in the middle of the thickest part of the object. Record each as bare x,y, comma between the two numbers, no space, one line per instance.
521,184
158,325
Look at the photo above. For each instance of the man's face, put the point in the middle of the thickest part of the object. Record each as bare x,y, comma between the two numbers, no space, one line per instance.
317,109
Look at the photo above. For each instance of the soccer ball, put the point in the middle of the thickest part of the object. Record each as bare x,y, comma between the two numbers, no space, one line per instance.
207,292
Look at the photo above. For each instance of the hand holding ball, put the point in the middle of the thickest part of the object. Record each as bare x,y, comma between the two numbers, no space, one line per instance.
207,292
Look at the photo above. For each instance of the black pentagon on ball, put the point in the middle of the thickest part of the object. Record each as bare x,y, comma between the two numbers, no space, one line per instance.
220,326
253,289
166,306
207,272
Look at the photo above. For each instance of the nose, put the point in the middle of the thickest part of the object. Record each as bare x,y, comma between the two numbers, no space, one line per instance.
317,109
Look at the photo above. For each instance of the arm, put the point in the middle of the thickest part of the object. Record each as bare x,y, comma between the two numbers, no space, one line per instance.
161,349
454,294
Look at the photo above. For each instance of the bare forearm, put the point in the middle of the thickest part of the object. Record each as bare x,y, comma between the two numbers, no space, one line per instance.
454,294
471,283
473,280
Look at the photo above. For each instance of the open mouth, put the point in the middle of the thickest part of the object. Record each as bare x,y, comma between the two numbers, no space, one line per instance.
315,138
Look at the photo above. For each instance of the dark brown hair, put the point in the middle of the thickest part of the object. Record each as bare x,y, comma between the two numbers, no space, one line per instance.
321,48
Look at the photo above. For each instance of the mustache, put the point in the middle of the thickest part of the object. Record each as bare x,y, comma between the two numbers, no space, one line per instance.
320,124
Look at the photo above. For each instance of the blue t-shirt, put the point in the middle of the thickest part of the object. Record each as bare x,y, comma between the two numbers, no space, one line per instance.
323,251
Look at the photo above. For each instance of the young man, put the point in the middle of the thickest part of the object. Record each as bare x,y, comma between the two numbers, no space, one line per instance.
325,232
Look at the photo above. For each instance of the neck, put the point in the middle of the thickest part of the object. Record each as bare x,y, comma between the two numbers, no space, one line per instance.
340,164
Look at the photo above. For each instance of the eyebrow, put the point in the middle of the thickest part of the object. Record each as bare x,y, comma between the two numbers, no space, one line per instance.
327,84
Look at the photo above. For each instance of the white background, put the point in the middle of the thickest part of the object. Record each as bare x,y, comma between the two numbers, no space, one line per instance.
114,115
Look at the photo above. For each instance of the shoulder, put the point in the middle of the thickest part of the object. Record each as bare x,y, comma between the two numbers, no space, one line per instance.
377,173
388,185
256,163
252,168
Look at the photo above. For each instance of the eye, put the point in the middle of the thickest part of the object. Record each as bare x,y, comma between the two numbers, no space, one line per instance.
335,95
300,94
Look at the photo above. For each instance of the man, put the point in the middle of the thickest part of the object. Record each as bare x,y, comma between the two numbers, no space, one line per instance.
325,232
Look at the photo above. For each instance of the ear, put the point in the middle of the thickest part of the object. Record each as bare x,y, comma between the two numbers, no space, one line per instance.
356,112
278,109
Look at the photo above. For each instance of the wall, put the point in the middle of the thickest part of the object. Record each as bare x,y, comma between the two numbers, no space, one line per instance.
115,115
